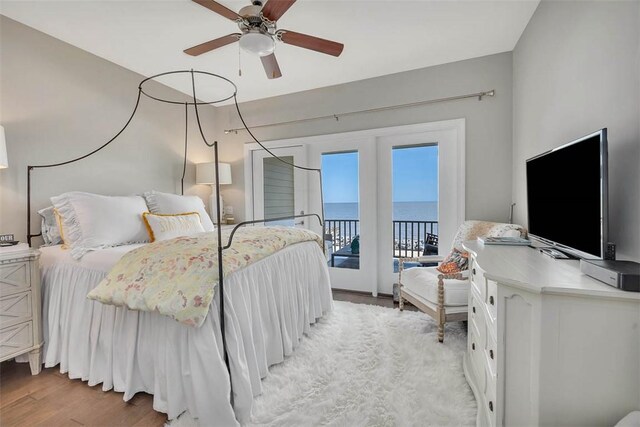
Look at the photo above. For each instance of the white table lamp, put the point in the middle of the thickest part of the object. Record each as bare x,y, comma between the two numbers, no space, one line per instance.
206,174
4,161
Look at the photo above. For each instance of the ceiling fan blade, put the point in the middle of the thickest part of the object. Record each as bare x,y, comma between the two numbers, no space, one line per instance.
271,66
212,44
311,42
219,9
274,9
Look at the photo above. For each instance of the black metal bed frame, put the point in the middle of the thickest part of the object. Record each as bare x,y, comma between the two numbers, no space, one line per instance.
195,103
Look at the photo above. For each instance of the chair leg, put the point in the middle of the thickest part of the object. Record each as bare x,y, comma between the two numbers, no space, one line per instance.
441,310
440,331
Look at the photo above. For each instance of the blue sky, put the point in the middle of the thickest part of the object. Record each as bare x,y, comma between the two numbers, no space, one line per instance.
415,175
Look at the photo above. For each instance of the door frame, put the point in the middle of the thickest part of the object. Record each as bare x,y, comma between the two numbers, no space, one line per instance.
455,127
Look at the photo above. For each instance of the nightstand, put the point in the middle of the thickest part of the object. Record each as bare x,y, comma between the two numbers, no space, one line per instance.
20,324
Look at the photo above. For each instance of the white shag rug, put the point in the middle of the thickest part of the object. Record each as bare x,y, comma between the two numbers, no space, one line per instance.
364,365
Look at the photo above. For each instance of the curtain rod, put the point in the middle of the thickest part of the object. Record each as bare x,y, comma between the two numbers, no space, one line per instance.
337,117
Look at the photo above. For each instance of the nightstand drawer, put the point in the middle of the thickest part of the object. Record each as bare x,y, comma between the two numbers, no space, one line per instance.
14,278
15,309
15,339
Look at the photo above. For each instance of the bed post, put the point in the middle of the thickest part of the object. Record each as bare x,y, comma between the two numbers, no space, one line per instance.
220,266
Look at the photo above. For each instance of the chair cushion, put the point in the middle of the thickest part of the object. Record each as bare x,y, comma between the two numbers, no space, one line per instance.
423,281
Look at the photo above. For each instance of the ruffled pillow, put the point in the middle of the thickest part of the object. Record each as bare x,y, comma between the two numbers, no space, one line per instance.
92,221
49,227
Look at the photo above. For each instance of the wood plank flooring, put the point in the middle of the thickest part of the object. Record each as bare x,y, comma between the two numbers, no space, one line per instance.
51,399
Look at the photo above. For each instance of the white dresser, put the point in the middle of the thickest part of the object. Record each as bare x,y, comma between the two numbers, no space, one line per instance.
548,345
20,330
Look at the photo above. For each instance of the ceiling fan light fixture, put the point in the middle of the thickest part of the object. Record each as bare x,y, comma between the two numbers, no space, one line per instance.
257,43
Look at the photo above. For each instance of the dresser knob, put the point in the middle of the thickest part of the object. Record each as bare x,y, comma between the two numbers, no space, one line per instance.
491,406
491,301
473,346
473,309
491,354
473,271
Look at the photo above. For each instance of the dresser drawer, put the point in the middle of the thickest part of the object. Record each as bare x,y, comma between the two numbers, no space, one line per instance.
476,314
491,356
15,309
15,339
492,300
475,351
476,275
490,401
14,277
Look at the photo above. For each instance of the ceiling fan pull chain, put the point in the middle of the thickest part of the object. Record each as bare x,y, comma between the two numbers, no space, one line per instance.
239,63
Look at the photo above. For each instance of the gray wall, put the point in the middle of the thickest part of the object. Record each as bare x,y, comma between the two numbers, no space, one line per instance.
577,69
58,102
488,123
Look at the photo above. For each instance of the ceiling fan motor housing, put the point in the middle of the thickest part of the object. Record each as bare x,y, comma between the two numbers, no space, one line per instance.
252,11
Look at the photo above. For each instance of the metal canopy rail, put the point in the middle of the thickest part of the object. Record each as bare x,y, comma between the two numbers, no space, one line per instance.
338,116
194,102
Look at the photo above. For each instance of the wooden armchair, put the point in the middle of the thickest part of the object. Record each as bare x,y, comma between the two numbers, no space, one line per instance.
444,296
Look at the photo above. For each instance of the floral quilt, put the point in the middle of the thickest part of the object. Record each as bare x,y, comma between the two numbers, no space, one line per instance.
178,277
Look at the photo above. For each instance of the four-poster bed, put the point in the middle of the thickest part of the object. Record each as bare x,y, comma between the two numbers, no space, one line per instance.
311,297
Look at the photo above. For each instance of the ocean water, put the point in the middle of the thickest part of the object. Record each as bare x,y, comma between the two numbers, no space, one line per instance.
402,211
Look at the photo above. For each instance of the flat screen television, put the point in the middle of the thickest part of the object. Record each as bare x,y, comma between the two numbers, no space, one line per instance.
567,196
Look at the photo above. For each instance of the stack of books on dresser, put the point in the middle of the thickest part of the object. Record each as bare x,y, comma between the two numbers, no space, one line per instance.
511,241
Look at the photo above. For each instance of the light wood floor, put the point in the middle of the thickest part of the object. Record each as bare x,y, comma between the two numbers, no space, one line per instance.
51,399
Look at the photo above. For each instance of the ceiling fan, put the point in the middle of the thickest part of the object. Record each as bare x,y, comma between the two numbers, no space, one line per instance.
259,33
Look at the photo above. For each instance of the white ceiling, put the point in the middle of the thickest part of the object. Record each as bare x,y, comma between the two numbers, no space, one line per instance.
380,37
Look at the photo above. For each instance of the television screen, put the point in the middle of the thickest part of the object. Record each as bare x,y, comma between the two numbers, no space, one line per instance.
567,195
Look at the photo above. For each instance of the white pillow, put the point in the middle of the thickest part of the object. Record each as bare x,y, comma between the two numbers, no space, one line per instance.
165,227
166,203
49,227
91,221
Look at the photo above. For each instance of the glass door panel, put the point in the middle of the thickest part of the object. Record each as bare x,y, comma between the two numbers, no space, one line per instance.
415,202
340,190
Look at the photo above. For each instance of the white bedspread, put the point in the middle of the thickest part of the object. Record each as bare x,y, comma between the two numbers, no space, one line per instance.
268,307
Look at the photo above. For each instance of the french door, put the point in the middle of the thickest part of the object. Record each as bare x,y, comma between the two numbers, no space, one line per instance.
363,237
349,181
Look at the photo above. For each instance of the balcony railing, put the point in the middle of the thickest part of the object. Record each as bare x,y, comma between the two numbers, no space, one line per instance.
410,238
342,232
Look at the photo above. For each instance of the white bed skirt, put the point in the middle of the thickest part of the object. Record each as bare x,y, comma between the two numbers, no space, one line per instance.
268,307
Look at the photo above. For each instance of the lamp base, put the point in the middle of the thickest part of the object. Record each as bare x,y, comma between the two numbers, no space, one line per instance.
212,209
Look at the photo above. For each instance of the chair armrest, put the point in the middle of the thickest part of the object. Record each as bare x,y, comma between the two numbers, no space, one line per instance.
456,276
402,260
430,258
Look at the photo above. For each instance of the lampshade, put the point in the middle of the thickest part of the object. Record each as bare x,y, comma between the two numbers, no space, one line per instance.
206,173
4,161
257,43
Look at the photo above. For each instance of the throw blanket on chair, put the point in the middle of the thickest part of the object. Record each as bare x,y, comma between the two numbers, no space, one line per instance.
177,277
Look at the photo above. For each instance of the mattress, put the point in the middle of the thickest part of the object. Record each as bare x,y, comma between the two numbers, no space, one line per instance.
269,305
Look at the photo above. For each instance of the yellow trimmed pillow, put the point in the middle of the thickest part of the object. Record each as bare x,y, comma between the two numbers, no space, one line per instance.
170,226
